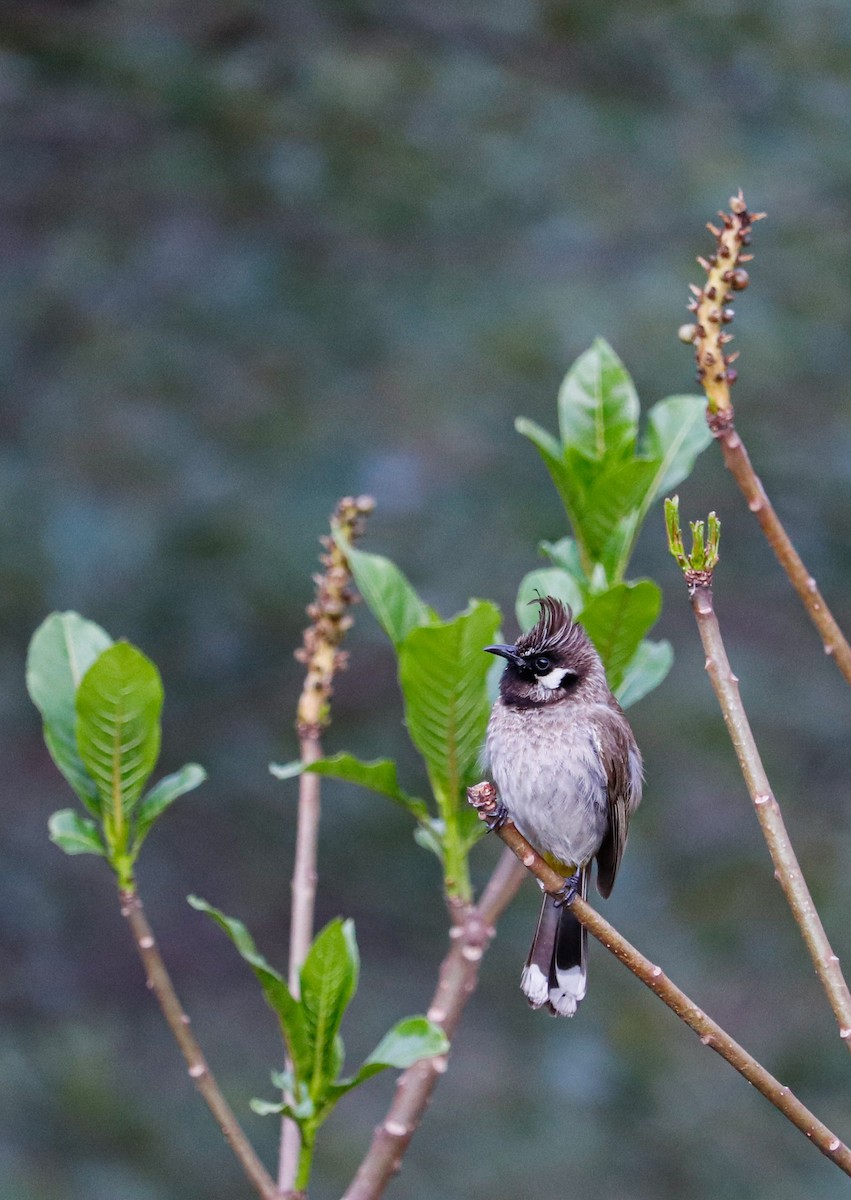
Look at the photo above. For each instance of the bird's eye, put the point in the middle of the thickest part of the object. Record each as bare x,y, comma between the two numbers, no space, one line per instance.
541,664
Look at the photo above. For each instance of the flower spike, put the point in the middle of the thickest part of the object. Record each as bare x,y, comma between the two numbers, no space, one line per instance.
725,276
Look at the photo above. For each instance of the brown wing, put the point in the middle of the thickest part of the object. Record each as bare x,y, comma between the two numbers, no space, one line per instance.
622,763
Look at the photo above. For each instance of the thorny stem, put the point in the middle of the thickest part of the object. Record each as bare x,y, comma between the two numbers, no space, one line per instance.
321,654
160,984
787,869
484,798
471,932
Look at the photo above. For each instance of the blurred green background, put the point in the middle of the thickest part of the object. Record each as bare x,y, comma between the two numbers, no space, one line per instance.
259,255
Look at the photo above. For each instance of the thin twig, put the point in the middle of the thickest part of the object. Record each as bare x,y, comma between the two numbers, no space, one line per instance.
485,800
501,888
470,935
739,465
303,889
787,869
320,652
160,984
304,870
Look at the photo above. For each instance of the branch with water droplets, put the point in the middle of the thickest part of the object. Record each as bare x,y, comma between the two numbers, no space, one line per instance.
485,800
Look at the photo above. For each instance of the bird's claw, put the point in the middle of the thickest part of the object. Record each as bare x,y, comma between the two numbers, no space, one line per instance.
485,800
496,818
568,892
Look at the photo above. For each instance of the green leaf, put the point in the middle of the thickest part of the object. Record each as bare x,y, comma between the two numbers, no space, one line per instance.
390,597
568,482
290,770
379,776
430,835
615,555
75,834
269,1108
565,554
650,664
119,702
617,493
617,620
471,828
328,982
598,407
163,794
408,1042
546,581
548,446
275,990
676,433
282,1080
61,651
443,673
300,1108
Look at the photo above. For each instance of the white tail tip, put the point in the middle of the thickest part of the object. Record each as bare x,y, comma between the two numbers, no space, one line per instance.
569,990
534,984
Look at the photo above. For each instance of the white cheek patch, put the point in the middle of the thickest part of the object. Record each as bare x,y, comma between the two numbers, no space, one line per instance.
553,679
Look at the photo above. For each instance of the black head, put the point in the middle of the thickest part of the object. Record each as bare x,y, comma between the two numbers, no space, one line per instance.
554,661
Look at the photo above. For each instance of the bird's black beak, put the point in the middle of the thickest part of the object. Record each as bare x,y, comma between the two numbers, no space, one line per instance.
508,652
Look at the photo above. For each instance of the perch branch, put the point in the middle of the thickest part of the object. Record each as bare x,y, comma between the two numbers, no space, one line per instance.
470,935
160,984
484,798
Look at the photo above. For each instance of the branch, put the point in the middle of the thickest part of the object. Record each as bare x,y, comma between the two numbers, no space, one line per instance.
725,277
160,984
320,652
470,936
786,866
739,465
483,797
698,568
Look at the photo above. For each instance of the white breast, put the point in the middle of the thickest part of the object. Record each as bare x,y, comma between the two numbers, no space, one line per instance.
549,775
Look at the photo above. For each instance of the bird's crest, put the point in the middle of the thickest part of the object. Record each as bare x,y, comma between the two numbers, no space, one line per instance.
555,630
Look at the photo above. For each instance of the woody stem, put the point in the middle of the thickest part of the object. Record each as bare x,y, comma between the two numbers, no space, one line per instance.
483,797
786,866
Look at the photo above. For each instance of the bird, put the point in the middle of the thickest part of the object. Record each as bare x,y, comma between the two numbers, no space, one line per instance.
569,773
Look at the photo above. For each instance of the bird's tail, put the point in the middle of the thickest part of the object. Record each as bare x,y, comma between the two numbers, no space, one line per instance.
556,974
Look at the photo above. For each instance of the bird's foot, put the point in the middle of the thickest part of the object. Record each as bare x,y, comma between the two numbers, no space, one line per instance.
568,892
486,802
496,818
